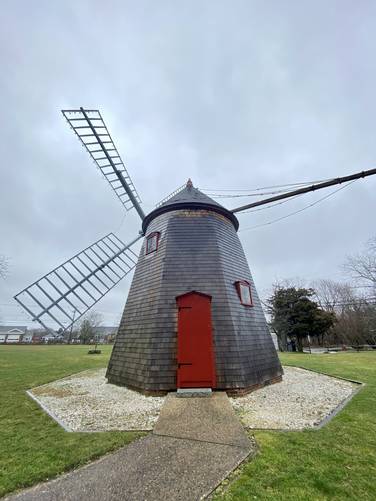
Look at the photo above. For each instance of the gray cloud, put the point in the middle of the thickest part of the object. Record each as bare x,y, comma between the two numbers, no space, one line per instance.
233,94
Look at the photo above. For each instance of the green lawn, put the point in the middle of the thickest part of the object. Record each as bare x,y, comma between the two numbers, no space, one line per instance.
32,446
336,462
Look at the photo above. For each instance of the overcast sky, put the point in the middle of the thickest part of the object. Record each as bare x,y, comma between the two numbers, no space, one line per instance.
234,94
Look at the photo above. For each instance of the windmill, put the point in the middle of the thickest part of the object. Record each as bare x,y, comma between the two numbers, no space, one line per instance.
192,317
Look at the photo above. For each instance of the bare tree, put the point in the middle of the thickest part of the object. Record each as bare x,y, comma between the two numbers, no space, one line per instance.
355,313
332,295
361,267
88,327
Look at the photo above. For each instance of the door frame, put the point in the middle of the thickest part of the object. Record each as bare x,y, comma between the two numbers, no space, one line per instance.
211,355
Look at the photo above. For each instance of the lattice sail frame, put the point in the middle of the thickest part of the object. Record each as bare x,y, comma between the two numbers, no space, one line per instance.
77,285
92,131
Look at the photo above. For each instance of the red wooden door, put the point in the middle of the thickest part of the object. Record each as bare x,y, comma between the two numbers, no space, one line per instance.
195,345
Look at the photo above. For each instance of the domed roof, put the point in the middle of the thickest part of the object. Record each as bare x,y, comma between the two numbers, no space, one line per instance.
189,198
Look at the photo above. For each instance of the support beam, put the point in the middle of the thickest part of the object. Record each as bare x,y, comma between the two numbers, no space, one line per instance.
308,189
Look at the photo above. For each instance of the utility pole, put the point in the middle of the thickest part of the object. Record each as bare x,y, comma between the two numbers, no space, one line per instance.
71,327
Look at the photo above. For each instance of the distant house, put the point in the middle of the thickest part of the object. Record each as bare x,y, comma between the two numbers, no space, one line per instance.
274,336
275,340
41,336
28,337
11,334
50,338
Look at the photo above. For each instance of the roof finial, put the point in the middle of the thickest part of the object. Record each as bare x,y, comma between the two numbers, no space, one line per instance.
189,183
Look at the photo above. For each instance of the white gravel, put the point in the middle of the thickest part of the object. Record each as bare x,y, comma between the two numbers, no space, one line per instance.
302,400
86,402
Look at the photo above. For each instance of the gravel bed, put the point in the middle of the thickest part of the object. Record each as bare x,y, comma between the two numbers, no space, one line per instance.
86,402
302,400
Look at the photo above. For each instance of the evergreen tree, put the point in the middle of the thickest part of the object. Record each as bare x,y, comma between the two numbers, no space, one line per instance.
295,315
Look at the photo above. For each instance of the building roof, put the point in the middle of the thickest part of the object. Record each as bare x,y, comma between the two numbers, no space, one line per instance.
104,330
7,329
189,198
101,330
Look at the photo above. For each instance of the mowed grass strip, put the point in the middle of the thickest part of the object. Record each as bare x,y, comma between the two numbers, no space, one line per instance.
32,446
336,462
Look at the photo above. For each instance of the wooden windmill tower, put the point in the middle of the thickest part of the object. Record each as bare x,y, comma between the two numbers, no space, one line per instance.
192,317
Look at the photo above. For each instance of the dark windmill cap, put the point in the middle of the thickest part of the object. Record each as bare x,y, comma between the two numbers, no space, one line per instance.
189,198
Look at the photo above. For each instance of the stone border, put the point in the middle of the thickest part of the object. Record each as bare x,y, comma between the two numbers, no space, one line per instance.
231,477
65,427
68,429
46,409
49,413
233,473
322,423
326,374
327,418
342,404
339,408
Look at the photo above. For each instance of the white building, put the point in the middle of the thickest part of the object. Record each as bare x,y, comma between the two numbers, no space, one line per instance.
11,334
275,340
27,337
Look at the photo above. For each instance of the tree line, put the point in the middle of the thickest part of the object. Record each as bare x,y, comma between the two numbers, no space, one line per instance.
85,330
328,312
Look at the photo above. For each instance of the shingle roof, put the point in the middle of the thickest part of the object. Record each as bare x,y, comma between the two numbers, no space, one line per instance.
190,198
190,194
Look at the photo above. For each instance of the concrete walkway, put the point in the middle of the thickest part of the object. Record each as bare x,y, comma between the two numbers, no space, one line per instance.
196,443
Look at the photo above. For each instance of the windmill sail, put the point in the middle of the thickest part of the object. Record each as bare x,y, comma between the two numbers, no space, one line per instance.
70,290
307,189
90,128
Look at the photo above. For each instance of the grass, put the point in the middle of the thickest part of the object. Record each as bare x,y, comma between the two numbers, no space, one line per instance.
337,462
32,446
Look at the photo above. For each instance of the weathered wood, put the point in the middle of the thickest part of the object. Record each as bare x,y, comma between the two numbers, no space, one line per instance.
199,250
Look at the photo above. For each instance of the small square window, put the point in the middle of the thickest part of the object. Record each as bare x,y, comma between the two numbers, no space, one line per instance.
152,241
244,292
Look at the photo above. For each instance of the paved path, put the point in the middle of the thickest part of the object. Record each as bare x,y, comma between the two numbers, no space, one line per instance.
196,443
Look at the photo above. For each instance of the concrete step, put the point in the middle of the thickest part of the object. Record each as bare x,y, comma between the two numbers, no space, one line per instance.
193,392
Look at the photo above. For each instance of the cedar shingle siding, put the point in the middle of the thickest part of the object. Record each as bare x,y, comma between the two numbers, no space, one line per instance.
198,250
